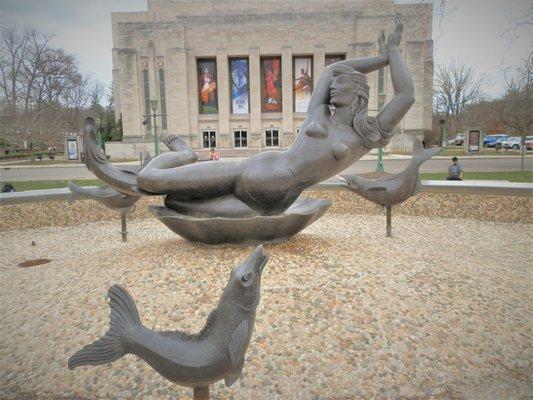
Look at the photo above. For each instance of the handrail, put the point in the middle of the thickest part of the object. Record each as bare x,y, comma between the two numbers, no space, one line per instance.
470,187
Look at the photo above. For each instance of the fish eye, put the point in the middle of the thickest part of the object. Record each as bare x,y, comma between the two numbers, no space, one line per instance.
246,277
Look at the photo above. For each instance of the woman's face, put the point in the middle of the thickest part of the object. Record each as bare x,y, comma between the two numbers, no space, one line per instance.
341,91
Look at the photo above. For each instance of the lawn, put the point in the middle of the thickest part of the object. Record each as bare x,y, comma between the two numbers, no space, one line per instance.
36,185
512,176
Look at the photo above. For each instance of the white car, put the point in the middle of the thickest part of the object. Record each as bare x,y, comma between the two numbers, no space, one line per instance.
512,143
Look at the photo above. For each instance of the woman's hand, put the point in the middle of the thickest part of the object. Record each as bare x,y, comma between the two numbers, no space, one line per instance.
395,37
382,46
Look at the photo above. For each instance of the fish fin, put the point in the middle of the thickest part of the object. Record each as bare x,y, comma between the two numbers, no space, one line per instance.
73,192
110,347
417,146
232,377
237,345
418,186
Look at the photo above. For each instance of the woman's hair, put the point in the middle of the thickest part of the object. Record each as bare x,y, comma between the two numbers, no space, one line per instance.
367,128
362,89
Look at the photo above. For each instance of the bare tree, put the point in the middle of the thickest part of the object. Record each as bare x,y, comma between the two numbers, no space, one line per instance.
41,87
455,87
516,109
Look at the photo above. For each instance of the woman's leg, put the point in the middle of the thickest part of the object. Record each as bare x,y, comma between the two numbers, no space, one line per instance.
193,181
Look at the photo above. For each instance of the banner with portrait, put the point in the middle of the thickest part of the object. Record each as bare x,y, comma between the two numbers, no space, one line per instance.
239,86
271,100
333,58
303,83
72,149
207,86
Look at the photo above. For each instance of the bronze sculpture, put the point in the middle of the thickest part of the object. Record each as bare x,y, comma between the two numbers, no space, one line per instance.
397,188
337,132
393,189
192,360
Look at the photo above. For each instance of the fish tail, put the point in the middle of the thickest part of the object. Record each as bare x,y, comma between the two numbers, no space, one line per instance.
420,154
110,347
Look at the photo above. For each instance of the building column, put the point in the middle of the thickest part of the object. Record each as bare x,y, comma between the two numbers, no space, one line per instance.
255,134
287,131
176,85
368,49
195,139
319,61
130,95
223,93
116,84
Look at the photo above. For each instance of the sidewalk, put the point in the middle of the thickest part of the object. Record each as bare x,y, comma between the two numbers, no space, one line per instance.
366,157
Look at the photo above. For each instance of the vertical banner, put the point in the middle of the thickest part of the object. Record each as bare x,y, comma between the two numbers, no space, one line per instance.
303,83
333,58
239,86
271,85
207,86
72,149
473,140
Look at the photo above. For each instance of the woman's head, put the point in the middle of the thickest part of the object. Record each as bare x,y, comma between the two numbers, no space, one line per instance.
348,88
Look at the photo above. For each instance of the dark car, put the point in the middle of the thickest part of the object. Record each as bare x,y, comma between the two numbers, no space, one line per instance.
492,140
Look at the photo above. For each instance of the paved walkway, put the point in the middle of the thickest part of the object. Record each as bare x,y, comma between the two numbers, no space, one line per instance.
367,164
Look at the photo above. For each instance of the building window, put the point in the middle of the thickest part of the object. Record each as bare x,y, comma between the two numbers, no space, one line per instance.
271,100
272,138
207,86
241,138
333,58
239,86
146,86
163,98
209,139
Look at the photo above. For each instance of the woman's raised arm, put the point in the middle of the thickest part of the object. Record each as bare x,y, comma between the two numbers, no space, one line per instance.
369,64
402,82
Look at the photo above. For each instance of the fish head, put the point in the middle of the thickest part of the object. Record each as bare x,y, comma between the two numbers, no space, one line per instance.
244,286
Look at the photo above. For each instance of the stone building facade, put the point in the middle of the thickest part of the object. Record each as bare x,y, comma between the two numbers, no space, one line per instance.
185,53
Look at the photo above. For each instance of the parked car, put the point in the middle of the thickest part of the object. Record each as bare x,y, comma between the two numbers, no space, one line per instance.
456,141
512,143
491,140
529,142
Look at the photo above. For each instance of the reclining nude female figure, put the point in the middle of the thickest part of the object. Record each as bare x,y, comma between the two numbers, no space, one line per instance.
337,132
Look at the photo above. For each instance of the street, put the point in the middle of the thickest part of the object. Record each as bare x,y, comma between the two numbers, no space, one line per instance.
480,164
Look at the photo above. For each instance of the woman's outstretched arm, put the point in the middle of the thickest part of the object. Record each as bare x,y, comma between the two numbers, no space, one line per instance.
364,65
402,82
369,64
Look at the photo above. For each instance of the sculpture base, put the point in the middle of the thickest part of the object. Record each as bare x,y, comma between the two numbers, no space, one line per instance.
249,231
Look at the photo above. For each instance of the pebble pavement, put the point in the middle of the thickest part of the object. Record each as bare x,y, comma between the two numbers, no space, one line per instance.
442,310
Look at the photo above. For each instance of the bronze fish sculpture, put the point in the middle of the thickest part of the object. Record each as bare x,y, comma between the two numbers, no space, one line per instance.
193,360
397,188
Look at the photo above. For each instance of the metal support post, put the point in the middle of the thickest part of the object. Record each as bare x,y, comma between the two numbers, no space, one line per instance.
389,221
201,393
124,232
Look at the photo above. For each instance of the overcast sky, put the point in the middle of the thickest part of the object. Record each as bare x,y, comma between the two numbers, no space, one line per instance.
481,33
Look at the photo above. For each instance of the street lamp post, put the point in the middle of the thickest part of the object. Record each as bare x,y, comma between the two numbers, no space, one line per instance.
153,105
442,122
379,166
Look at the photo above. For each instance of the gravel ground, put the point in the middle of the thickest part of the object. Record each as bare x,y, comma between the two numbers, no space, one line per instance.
442,205
442,310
